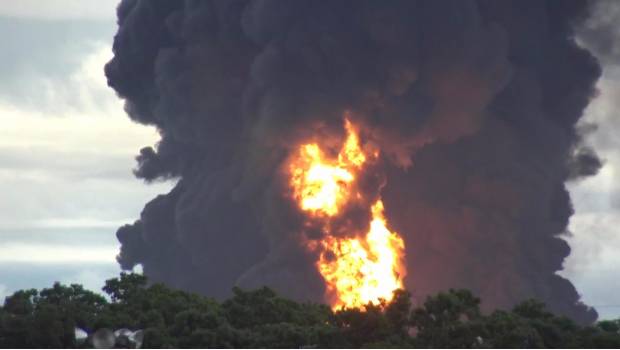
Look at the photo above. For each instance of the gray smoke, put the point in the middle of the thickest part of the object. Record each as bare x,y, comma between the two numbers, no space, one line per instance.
474,105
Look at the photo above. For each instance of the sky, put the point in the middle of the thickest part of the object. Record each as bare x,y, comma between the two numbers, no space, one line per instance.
67,152
67,147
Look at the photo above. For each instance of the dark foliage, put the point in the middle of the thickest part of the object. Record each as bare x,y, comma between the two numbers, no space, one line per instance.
262,319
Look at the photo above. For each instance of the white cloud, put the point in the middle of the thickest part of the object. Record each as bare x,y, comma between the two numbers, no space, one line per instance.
59,9
59,223
595,240
66,153
73,167
88,115
86,88
33,253
595,244
66,181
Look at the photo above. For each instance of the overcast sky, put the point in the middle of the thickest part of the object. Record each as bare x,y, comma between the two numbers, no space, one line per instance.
67,150
66,146
593,265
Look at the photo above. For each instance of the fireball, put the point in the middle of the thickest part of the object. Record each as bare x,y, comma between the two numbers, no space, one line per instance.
363,267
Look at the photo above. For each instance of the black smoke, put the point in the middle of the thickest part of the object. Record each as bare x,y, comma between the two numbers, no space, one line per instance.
473,103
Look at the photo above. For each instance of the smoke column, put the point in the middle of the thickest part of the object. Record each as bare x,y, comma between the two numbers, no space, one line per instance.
474,105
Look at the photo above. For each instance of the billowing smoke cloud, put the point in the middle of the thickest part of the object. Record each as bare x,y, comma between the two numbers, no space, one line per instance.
474,105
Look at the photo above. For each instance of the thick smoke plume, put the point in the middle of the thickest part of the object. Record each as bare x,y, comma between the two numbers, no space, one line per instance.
473,104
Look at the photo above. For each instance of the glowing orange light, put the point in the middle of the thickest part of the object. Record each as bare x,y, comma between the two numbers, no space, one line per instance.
362,268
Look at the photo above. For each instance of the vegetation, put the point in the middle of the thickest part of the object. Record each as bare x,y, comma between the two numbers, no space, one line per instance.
260,318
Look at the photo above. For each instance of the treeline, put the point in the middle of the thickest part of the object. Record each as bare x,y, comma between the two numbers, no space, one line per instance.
262,319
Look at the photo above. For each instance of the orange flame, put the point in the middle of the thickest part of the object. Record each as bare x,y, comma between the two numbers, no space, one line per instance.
357,270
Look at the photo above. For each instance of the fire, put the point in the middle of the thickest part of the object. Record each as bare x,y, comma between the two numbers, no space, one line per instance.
320,186
361,268
363,271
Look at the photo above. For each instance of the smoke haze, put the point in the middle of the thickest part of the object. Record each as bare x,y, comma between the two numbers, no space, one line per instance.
474,105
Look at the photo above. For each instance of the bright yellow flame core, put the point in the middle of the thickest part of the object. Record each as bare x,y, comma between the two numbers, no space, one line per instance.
362,271
320,187
357,270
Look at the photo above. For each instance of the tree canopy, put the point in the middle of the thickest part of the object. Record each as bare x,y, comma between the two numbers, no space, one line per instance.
260,319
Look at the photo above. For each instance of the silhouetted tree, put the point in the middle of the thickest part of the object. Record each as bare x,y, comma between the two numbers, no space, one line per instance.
260,319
